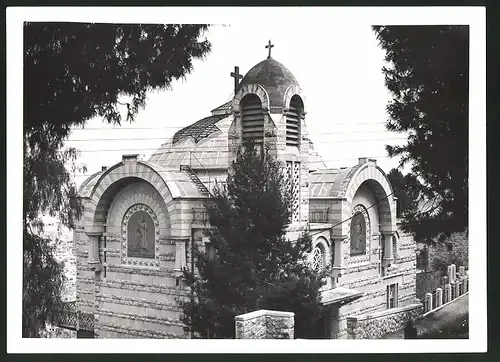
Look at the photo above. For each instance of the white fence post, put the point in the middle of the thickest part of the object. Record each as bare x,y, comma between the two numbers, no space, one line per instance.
439,297
447,292
428,298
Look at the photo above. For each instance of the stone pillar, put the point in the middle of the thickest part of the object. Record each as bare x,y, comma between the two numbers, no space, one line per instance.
180,257
94,233
447,293
452,273
338,257
439,293
428,299
265,324
388,257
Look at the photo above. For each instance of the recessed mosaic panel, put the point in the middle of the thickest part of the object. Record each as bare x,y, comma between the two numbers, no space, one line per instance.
359,235
140,237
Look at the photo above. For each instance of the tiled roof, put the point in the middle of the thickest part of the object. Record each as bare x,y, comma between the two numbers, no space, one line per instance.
199,130
330,182
223,109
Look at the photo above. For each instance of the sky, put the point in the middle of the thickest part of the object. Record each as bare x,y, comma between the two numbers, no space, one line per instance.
339,70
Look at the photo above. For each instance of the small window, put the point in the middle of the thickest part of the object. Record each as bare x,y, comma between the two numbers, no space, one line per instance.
318,259
252,119
293,119
449,247
392,296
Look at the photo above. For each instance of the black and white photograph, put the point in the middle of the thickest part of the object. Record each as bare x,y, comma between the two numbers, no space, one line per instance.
240,174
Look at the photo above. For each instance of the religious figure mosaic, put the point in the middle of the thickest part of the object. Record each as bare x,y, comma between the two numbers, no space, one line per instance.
358,234
141,235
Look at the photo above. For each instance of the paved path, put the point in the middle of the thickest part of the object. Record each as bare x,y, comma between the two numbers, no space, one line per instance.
443,318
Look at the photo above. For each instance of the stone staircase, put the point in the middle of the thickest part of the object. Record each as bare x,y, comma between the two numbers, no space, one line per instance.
199,185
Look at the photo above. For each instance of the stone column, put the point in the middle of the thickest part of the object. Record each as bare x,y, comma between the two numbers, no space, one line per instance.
338,257
428,299
387,258
180,257
439,293
265,324
447,292
94,233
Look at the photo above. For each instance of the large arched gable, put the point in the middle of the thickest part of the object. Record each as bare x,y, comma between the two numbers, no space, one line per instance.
374,177
117,177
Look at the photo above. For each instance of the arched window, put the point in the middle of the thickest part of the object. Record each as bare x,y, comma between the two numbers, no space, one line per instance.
252,119
293,118
318,263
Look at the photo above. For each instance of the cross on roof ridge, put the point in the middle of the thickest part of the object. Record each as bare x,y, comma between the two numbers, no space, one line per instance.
269,46
237,76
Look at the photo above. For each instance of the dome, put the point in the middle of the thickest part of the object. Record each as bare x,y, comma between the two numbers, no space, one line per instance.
273,76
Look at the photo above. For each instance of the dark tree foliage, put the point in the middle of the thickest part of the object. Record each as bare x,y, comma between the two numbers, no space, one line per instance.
405,189
428,77
74,72
254,266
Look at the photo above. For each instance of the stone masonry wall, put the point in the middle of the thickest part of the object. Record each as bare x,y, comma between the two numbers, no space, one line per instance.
265,324
377,325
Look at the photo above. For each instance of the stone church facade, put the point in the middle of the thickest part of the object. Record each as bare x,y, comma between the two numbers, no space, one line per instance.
143,216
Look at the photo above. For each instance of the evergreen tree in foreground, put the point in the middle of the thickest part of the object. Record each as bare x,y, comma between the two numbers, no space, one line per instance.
72,73
427,74
253,265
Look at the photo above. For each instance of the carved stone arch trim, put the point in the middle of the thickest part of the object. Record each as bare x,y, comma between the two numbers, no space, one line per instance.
256,89
380,187
322,240
360,258
119,172
290,92
116,211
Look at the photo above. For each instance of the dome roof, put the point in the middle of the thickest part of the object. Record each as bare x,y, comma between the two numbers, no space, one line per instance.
273,76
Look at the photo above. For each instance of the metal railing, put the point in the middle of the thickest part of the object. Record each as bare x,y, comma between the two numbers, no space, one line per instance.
194,163
320,216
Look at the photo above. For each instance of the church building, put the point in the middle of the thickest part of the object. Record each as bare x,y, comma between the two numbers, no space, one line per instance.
143,216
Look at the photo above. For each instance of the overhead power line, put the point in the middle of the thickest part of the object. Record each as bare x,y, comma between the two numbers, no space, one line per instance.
213,149
163,138
179,128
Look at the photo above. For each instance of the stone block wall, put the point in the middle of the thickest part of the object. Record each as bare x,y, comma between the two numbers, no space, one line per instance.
376,325
265,324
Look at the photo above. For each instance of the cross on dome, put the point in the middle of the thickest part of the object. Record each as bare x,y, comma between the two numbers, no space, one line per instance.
269,46
237,76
